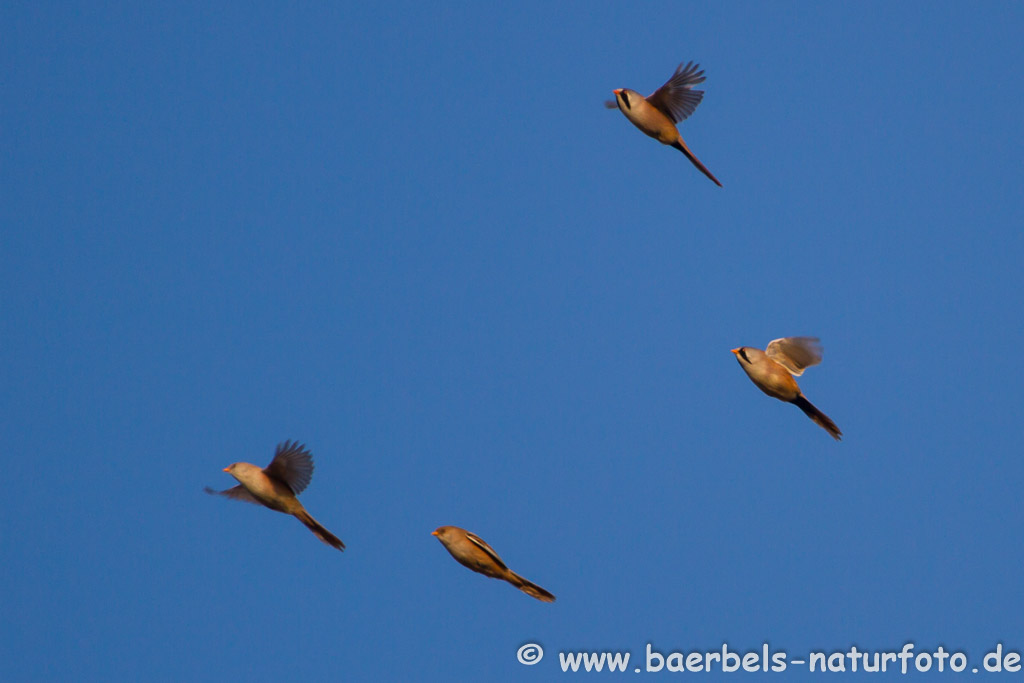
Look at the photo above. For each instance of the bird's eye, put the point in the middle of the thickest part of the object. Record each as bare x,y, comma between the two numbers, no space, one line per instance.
625,99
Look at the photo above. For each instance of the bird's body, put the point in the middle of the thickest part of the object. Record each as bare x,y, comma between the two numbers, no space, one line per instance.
473,552
771,378
658,114
276,487
773,370
646,117
272,493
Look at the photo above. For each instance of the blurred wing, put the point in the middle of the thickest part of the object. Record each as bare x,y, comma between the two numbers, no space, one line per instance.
237,493
676,99
611,104
486,548
795,353
292,465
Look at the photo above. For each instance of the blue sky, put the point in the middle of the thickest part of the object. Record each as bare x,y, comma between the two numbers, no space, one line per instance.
412,237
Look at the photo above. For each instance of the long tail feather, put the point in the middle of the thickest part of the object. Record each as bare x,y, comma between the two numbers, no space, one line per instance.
530,588
821,418
681,146
318,529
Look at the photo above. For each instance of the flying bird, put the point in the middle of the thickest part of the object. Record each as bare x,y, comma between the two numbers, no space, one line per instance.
275,487
658,114
472,551
773,369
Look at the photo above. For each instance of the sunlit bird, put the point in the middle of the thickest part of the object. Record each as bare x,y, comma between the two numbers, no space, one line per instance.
275,487
471,551
658,114
773,369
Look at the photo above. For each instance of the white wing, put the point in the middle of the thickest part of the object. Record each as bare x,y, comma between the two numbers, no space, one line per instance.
796,354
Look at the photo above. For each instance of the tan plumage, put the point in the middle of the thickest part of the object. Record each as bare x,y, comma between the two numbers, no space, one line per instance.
658,114
276,487
472,551
773,369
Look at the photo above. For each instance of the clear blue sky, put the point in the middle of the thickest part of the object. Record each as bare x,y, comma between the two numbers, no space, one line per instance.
410,236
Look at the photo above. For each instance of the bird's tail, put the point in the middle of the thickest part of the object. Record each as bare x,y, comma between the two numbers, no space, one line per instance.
681,146
530,588
318,529
821,418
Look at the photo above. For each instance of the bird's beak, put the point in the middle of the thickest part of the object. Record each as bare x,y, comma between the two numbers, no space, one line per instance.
434,533
226,469
617,91
736,351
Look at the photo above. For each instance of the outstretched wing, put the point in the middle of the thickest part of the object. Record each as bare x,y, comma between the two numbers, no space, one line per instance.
482,544
796,354
292,465
677,99
237,493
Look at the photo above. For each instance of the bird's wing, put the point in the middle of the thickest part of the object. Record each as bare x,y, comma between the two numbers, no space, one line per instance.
482,544
292,465
237,493
795,353
676,99
611,104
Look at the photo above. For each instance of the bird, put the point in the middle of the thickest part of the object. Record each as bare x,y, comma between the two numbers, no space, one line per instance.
472,551
658,114
773,369
275,487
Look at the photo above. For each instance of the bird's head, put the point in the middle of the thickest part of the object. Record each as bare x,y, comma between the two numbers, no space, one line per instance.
626,98
746,355
239,470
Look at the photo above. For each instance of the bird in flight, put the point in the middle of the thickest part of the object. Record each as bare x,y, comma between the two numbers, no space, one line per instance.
773,369
472,551
658,114
277,486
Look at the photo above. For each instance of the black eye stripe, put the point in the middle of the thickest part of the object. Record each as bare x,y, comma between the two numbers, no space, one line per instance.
625,99
743,352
